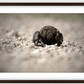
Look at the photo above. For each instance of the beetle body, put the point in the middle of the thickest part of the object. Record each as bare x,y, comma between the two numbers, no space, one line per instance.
48,35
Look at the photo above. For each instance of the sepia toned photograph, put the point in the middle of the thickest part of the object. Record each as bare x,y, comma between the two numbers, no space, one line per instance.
41,42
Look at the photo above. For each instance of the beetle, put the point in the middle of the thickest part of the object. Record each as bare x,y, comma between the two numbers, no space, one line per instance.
48,35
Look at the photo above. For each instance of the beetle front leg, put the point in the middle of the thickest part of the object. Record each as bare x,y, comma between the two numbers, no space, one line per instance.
36,43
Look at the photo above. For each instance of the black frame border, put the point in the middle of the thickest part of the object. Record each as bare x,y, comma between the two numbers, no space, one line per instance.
41,81
42,4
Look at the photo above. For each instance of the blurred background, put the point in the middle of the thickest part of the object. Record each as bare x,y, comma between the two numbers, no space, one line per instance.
18,53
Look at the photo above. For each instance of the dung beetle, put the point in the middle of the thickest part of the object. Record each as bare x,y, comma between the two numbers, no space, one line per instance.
48,35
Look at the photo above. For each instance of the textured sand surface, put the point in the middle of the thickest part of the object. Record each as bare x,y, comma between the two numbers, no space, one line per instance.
18,53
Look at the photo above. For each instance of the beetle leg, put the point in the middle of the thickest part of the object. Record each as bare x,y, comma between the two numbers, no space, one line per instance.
39,42
42,44
58,44
36,43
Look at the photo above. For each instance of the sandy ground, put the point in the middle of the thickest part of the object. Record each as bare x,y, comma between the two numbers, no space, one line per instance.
18,53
